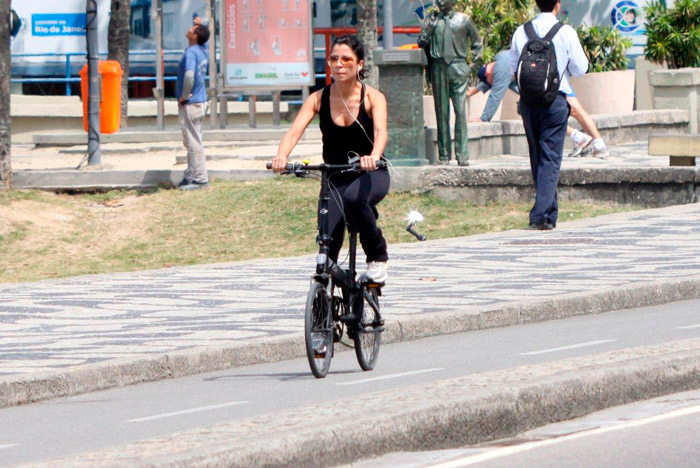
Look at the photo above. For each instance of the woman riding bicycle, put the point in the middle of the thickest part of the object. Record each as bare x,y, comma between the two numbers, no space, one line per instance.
353,121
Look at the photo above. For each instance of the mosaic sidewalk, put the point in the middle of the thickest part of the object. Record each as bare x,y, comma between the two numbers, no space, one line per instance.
56,325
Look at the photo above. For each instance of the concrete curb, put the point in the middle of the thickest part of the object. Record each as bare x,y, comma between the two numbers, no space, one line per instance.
18,390
447,182
439,415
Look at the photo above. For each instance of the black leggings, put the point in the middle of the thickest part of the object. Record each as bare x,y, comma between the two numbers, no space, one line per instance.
359,197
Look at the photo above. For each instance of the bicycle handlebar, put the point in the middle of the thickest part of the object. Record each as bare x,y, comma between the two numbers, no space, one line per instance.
295,167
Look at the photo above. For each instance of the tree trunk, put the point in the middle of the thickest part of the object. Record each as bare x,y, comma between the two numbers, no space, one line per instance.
367,34
118,46
5,71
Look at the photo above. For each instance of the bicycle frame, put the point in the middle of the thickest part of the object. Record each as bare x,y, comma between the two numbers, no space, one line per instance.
324,265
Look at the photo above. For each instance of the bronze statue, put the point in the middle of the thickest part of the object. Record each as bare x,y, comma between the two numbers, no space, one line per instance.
447,36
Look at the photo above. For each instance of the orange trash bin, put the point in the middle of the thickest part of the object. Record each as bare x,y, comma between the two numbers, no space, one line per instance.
110,101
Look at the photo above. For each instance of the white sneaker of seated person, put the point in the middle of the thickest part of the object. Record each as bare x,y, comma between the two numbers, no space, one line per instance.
377,272
582,144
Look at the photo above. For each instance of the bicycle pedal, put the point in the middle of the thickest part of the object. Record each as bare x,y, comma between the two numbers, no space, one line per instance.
375,285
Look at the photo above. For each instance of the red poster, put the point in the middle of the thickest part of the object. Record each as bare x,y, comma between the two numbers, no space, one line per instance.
267,43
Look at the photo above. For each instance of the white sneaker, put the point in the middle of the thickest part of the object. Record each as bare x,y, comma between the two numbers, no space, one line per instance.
601,154
583,147
377,272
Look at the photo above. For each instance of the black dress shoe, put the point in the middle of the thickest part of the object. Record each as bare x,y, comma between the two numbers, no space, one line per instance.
541,226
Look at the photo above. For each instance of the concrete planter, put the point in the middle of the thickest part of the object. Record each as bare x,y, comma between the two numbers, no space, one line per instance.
678,89
606,92
476,104
642,86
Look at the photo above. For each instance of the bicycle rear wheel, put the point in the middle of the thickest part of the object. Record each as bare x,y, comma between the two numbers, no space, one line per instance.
368,336
318,330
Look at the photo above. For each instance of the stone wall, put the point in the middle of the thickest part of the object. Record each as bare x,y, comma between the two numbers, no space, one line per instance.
652,187
508,136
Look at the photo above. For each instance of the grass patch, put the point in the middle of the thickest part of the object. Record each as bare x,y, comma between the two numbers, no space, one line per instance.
50,236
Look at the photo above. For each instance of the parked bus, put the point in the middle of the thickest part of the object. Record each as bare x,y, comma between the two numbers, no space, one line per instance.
50,43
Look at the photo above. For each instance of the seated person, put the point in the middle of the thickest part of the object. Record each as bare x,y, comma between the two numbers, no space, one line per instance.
496,77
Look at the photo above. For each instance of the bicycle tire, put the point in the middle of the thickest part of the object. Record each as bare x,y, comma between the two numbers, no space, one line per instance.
367,338
318,330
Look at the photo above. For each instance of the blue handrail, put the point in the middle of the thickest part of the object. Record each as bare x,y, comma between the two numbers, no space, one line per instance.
68,78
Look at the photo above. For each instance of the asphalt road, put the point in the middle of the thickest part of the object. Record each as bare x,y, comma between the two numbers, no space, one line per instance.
72,425
670,441
662,432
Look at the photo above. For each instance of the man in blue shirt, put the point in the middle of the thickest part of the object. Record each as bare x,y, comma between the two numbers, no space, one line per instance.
496,77
191,95
545,125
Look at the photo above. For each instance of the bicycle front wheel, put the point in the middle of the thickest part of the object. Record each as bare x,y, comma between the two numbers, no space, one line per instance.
368,335
318,330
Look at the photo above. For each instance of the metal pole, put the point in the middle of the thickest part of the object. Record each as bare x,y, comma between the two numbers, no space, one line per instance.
276,108
159,91
68,90
388,38
94,154
252,117
213,82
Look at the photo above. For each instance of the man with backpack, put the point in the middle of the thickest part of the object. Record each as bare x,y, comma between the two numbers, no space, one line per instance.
543,54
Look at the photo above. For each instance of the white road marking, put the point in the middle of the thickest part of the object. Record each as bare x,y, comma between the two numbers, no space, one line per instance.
7,446
187,411
391,376
689,327
563,348
511,450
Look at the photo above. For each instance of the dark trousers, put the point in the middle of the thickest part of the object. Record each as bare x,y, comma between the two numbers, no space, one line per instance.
359,198
545,128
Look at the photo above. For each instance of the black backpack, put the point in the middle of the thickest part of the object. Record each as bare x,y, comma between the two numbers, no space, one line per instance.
537,73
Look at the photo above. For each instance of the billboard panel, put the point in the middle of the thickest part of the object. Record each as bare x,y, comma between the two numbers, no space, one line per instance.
267,44
56,27
625,15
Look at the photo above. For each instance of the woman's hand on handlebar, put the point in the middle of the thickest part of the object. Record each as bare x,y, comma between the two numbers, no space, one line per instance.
279,163
369,163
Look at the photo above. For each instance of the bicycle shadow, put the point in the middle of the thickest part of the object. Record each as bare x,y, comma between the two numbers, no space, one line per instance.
281,376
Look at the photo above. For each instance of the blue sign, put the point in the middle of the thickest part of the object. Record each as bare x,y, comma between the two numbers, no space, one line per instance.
59,24
627,16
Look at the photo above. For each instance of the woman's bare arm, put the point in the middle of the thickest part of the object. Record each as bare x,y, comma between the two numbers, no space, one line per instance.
380,137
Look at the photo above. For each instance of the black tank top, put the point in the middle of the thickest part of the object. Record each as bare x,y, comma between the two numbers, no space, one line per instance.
340,140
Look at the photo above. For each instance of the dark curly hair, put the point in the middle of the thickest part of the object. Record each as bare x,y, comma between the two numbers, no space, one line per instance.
202,33
358,49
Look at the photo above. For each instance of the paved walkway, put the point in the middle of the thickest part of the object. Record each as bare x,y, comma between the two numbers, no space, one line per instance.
59,325
229,155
